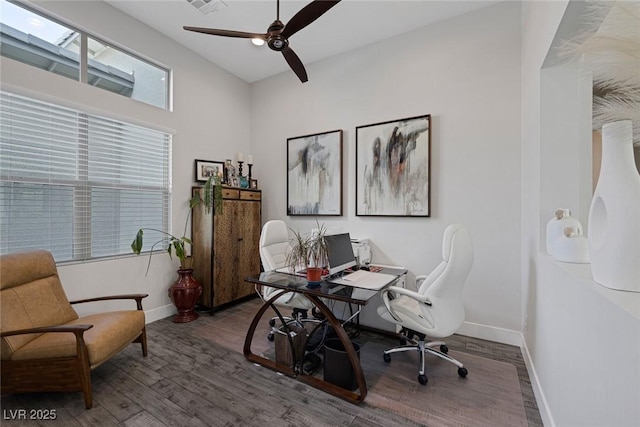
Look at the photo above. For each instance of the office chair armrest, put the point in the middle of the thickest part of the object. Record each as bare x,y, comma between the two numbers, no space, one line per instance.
258,289
267,294
411,294
401,291
385,300
419,279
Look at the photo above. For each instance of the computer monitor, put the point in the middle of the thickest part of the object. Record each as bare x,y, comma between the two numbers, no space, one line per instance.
341,254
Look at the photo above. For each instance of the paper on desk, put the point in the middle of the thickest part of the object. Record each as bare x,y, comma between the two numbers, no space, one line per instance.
366,280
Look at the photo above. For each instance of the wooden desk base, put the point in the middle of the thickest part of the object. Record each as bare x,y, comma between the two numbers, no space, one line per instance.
296,371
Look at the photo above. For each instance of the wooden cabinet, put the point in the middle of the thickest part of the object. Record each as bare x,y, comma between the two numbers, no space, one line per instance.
225,246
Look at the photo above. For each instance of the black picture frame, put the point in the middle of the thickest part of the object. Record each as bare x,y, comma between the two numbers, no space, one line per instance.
205,168
393,168
314,174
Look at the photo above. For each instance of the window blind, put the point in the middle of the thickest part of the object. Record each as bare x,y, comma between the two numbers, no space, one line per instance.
77,184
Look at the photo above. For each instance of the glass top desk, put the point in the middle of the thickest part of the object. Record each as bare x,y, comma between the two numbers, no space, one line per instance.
328,291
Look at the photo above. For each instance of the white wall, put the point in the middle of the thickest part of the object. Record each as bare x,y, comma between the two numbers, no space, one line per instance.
582,341
471,74
465,72
210,118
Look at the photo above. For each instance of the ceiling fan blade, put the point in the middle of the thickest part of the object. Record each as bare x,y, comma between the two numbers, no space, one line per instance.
307,15
226,33
295,64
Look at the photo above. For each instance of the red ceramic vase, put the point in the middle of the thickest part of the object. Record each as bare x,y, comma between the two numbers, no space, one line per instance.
184,293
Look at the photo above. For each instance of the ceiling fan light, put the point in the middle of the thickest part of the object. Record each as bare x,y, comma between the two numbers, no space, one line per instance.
257,42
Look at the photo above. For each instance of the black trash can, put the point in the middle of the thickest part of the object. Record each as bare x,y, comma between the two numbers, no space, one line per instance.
337,367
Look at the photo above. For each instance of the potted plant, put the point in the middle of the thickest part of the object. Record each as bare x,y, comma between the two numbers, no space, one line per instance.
186,290
310,251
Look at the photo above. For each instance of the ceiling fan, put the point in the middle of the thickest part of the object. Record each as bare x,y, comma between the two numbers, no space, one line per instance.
277,35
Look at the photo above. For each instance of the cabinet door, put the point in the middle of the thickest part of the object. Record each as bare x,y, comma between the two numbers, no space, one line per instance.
248,245
225,253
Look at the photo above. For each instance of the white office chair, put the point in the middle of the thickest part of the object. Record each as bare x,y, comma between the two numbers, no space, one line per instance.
274,246
436,309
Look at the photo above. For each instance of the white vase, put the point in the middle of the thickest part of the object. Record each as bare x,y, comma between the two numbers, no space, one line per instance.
562,218
571,247
614,217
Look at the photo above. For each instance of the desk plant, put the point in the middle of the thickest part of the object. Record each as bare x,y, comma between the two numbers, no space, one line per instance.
311,251
184,292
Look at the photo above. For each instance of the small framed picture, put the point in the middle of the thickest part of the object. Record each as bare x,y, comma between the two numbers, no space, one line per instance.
253,184
235,183
208,168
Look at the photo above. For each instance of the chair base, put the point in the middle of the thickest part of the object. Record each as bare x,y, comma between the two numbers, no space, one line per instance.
298,315
436,348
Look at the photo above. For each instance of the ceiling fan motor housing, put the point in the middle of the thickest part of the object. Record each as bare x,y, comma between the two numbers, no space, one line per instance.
275,41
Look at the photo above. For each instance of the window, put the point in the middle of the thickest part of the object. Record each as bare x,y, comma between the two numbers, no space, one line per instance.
33,39
77,184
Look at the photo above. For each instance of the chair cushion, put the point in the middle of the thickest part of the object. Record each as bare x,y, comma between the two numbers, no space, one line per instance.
410,314
111,332
41,302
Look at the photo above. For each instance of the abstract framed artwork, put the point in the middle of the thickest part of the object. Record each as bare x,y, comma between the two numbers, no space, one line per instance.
314,174
207,168
393,173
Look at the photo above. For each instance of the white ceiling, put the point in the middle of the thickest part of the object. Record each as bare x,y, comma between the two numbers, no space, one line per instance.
348,25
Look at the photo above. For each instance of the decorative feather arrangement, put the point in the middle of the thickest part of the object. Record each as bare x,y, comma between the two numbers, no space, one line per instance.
609,48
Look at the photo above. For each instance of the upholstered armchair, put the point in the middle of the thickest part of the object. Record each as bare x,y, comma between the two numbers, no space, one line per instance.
46,346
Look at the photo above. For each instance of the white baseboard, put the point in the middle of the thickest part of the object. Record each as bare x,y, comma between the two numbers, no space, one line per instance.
541,400
491,333
159,313
510,337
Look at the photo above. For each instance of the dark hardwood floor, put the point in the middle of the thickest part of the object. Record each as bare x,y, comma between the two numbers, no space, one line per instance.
195,375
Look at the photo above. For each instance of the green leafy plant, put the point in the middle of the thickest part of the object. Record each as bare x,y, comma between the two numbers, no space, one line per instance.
309,251
212,197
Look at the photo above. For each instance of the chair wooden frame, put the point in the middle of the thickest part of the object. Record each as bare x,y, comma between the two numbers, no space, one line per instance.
63,373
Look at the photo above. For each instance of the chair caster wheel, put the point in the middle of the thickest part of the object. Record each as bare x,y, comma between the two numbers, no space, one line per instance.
422,379
270,337
386,357
462,372
272,322
444,349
